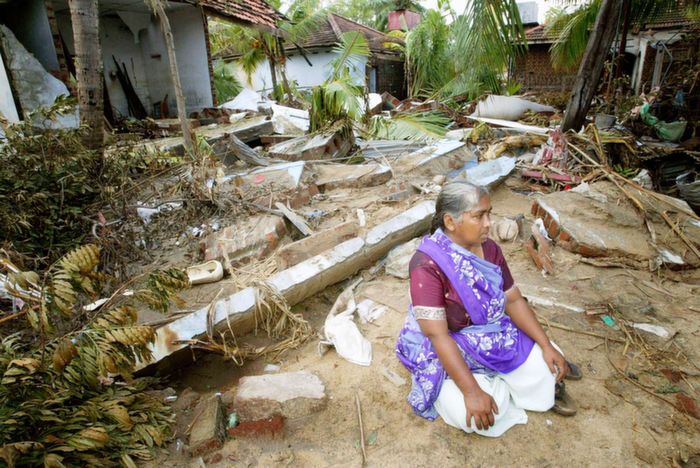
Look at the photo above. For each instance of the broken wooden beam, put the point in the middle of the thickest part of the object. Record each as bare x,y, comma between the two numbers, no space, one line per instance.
295,284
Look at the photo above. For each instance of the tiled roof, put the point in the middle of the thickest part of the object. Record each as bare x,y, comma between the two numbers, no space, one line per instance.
329,32
672,19
247,11
538,35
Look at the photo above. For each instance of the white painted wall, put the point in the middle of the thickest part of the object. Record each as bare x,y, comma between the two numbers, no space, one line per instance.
299,70
191,50
147,61
30,24
7,103
117,40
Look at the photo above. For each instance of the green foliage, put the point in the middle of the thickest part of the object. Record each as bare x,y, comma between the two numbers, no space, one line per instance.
59,402
373,13
428,64
46,180
339,98
409,126
225,81
486,37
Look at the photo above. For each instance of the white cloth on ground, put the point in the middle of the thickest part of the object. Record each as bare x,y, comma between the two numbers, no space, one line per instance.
529,387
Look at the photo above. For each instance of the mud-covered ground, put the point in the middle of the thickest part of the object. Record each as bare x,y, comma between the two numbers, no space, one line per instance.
618,423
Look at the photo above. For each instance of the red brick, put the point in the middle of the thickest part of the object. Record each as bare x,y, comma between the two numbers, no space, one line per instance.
589,251
272,427
564,236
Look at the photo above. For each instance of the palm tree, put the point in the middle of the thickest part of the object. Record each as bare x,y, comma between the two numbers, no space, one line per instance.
159,10
255,47
88,58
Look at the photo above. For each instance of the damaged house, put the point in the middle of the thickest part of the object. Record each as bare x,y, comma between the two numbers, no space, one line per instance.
36,49
655,51
308,63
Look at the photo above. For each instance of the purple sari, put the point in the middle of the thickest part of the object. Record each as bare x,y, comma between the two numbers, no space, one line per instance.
492,344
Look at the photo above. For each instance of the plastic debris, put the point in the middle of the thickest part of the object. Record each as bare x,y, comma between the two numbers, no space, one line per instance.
341,332
369,311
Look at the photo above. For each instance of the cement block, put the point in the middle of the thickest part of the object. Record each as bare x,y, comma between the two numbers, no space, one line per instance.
336,176
290,395
309,147
208,429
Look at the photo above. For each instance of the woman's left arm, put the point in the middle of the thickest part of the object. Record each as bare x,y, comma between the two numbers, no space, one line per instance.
524,318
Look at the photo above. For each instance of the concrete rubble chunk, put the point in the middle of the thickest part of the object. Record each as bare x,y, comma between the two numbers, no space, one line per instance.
254,237
288,394
507,107
490,173
295,283
208,429
325,145
398,259
289,121
334,176
372,149
36,88
284,176
436,159
246,100
296,252
591,228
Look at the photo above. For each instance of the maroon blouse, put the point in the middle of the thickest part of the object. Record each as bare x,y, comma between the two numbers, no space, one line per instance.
430,287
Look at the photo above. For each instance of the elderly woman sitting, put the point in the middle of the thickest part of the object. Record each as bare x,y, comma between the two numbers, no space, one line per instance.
477,354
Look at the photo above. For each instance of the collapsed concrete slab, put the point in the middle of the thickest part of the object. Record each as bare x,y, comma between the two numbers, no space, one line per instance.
372,149
284,176
324,145
336,176
489,173
296,252
247,130
36,88
255,237
438,158
295,284
595,227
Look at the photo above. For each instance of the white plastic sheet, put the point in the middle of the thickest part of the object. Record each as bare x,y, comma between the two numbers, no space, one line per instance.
341,332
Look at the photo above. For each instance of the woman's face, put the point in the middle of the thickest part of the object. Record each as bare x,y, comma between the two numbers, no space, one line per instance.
472,227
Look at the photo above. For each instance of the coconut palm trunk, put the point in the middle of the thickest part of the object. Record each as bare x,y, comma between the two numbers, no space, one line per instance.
88,67
157,6
592,65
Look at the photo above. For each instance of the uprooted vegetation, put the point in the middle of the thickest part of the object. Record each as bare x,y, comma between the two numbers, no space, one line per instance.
66,395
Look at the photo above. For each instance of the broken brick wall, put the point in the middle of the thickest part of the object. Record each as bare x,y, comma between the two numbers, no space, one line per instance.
534,71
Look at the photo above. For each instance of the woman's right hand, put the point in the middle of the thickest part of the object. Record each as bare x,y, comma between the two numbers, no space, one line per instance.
481,406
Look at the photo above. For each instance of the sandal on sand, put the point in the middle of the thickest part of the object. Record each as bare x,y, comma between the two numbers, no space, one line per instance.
564,405
574,372
208,272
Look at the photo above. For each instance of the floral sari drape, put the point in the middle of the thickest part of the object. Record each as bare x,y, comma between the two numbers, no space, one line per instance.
492,344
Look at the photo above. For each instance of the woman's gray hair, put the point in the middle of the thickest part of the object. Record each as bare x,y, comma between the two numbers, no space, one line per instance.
455,198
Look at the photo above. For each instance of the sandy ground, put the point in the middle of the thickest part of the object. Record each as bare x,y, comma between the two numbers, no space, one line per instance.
618,424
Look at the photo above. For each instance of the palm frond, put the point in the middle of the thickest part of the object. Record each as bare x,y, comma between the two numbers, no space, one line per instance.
352,51
303,27
409,126
226,81
572,31
486,37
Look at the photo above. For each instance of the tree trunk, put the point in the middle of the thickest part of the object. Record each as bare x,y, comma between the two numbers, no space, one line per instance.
88,69
273,76
592,64
175,73
283,73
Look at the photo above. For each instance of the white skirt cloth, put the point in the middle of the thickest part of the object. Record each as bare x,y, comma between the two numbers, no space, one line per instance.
529,387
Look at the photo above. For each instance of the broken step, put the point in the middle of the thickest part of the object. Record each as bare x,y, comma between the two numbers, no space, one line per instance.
295,284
